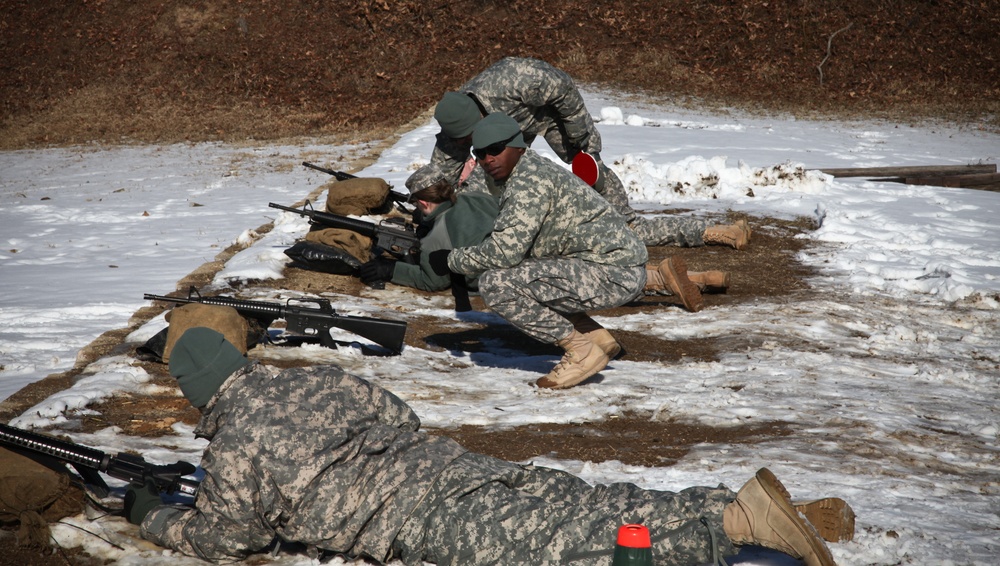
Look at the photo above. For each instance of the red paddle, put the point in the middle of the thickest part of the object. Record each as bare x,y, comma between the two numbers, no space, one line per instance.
585,167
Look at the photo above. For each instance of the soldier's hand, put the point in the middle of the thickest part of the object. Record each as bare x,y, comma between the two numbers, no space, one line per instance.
140,499
378,269
439,262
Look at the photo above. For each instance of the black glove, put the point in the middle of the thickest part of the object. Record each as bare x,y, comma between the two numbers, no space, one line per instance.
439,262
378,269
140,500
417,217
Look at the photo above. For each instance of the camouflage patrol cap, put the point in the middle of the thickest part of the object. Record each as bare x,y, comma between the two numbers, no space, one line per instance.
496,128
457,113
201,361
425,177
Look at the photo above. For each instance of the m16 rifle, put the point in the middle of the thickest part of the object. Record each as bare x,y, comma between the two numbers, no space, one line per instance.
400,243
305,318
89,461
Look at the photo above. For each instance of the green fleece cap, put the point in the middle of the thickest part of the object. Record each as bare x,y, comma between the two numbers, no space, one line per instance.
202,360
495,128
458,114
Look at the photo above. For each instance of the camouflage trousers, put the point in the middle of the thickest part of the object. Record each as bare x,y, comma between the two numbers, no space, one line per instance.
483,511
658,231
534,295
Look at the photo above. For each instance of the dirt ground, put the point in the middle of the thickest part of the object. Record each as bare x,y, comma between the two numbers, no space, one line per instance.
119,71
166,71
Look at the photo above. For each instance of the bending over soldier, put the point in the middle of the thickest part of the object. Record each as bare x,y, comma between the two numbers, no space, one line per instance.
544,102
557,250
322,458
460,219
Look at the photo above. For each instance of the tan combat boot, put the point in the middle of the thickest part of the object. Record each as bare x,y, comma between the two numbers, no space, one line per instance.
710,281
763,515
832,517
583,359
595,333
671,275
734,235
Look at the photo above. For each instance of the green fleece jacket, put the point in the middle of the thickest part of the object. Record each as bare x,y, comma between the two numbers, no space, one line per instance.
465,223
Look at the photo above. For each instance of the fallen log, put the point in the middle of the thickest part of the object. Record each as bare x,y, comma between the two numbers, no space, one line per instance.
911,171
980,181
973,180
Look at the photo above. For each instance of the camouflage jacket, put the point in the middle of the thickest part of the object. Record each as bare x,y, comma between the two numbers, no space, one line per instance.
541,98
310,455
547,211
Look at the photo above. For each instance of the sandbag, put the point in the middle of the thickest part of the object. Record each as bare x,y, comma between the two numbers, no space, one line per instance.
314,256
357,196
224,320
34,494
348,240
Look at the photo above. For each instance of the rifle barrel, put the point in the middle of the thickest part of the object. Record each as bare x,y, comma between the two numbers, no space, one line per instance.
54,447
340,175
88,461
274,310
301,211
369,229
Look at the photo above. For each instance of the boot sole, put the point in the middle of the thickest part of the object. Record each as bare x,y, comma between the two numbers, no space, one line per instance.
674,272
780,497
724,286
709,288
832,517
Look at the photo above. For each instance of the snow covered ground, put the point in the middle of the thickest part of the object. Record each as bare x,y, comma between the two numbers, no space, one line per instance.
889,379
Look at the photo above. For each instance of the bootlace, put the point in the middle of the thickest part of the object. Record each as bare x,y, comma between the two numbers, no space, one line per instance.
568,359
727,236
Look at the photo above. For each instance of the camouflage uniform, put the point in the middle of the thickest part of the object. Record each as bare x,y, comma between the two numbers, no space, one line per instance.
464,223
323,458
488,511
314,456
556,247
544,101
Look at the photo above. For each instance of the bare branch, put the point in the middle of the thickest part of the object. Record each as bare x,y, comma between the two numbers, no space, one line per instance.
829,46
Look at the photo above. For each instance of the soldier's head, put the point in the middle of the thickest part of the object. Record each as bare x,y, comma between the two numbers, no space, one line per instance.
498,144
429,186
457,114
202,360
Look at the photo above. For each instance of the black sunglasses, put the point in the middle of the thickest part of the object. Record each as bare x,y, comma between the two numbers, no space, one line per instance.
493,149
